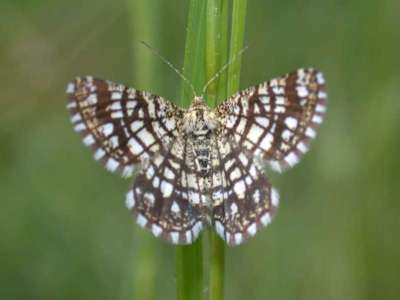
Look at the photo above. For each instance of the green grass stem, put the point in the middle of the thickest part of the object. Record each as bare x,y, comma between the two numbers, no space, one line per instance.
226,84
194,57
207,50
207,45
236,44
216,56
189,259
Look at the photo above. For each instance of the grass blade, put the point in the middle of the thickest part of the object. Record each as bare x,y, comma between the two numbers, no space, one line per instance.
224,85
237,38
189,259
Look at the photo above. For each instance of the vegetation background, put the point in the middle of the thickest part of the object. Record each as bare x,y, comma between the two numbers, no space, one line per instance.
64,230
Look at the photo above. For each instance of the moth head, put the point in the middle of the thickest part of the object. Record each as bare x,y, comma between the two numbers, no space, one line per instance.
198,101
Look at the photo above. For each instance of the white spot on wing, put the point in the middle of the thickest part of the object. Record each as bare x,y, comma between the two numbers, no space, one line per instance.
79,127
302,91
240,188
189,237
248,180
265,100
229,163
149,172
116,95
197,228
156,182
243,159
320,108
238,238
130,200
279,100
99,154
117,115
168,173
275,165
266,219
151,109
255,133
228,236
146,137
263,90
256,196
107,129
292,159
194,197
302,147
175,207
286,135
241,126
70,88
113,141
141,220
235,174
320,78
71,104
220,229
134,146
166,188
253,171
317,119
88,140
266,142
158,160
116,105
150,198
170,124
128,170
174,237
76,118
310,132
274,197
322,95
140,113
112,164
234,208
252,229
91,99
156,229
262,121
131,104
291,123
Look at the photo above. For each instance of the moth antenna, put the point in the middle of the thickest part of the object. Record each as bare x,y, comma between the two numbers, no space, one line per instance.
223,68
187,81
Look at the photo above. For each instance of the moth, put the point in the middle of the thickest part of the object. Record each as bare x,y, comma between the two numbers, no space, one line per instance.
199,166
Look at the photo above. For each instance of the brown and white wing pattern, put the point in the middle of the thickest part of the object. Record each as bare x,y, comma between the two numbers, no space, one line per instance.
277,119
161,197
200,167
243,198
121,125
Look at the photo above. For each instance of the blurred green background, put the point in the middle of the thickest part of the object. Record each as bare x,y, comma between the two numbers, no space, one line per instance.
64,230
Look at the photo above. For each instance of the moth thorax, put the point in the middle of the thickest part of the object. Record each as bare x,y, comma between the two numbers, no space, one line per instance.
199,121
